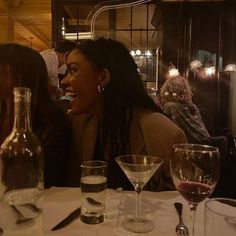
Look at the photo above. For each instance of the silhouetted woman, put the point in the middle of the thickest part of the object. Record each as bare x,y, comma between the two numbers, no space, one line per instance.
21,66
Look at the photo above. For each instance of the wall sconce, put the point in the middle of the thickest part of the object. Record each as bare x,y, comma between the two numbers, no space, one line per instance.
195,64
141,54
173,71
132,53
209,70
205,71
230,68
148,53
138,52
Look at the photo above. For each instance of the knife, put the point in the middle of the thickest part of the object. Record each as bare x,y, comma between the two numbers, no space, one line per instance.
66,221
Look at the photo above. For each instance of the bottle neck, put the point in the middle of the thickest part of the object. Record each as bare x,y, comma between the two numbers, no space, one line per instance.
22,121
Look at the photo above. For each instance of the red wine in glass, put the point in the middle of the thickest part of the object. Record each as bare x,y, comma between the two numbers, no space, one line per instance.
195,170
194,192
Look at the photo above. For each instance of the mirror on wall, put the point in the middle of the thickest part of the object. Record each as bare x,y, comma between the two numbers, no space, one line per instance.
117,21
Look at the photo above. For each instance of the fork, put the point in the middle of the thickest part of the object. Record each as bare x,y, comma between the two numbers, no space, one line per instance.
181,229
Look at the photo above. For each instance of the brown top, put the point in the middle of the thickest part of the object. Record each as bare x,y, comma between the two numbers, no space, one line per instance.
151,133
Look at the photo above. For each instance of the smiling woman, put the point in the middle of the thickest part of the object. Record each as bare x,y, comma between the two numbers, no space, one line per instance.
84,80
113,113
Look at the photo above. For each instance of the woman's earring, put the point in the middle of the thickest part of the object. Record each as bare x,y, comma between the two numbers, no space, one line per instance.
100,88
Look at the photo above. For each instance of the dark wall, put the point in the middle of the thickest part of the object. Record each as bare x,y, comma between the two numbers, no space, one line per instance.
187,29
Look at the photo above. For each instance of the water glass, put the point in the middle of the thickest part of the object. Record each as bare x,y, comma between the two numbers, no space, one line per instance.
93,184
220,217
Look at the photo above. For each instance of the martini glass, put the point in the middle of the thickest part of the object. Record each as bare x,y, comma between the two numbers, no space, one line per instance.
138,169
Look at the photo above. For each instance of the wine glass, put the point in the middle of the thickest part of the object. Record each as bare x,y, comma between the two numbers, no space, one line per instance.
138,169
195,170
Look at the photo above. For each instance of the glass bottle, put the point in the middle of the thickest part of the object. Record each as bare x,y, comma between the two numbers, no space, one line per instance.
21,172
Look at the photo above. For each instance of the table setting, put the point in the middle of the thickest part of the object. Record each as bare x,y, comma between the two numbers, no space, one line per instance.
93,209
195,172
159,206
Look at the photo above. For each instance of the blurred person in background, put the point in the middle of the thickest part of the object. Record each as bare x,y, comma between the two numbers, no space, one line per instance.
55,61
176,100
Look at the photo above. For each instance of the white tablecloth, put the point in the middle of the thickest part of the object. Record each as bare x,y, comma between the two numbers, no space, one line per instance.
59,202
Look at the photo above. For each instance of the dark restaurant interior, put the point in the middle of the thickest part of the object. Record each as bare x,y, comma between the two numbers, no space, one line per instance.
85,118
174,33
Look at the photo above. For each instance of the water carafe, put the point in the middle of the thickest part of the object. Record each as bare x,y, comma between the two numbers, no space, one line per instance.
21,173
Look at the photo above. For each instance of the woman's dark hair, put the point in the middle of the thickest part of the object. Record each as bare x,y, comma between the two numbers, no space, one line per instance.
28,69
124,92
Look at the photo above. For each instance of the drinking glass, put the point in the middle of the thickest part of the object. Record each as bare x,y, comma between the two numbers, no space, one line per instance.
93,184
195,170
138,169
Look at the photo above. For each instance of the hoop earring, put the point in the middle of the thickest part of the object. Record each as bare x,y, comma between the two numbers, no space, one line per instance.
100,89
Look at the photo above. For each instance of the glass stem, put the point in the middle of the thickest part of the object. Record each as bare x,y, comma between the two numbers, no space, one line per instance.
138,202
192,218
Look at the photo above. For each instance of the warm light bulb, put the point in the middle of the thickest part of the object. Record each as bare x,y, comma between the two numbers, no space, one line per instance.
173,72
138,52
132,53
230,68
196,64
210,70
148,53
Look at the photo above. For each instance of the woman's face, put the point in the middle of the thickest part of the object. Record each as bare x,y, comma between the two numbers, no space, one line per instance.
83,80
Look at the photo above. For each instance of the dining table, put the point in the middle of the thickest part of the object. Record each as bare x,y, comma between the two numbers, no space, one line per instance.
157,206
